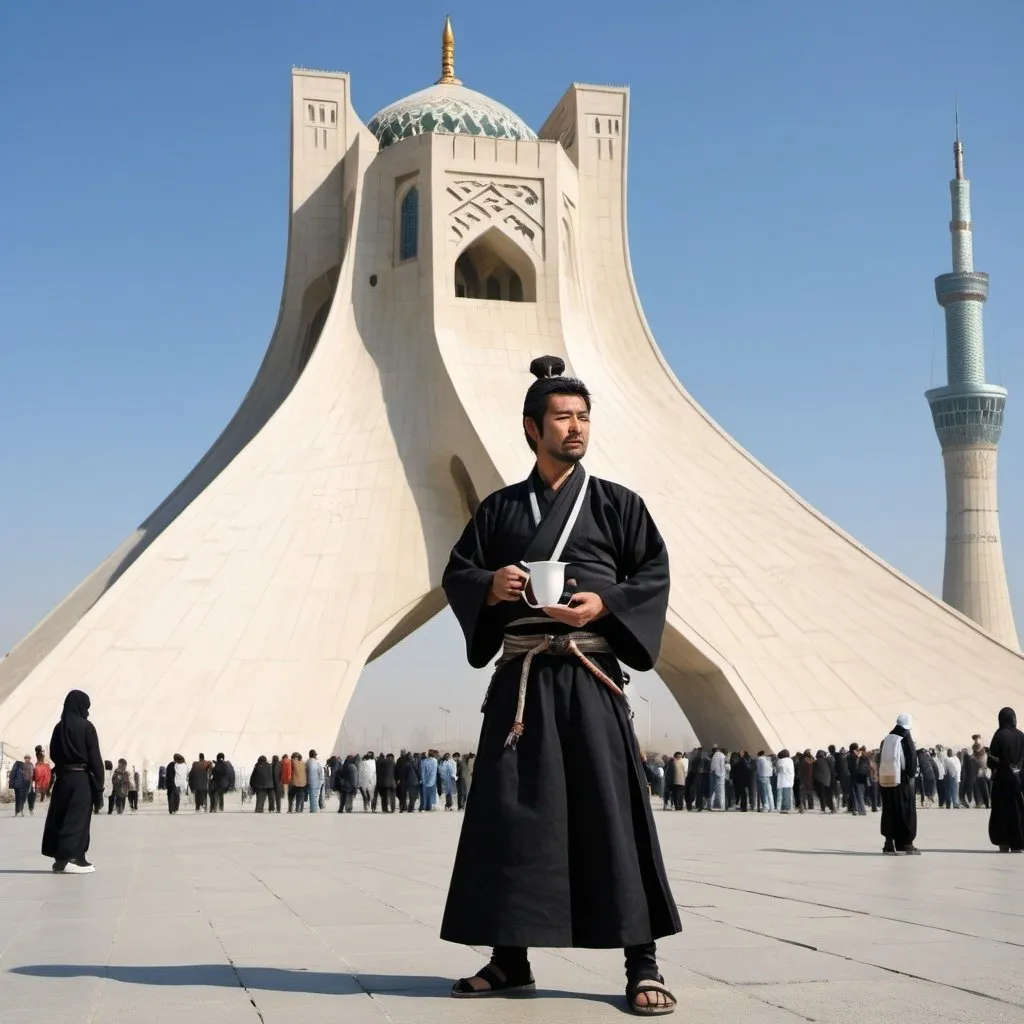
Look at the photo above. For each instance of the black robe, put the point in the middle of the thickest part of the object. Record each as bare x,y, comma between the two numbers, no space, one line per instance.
558,844
74,742
899,805
1006,752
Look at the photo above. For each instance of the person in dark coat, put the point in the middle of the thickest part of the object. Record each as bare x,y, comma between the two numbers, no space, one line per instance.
223,781
821,773
173,796
1005,758
199,781
968,779
927,768
409,779
77,789
899,806
740,775
805,772
278,793
261,782
847,770
386,783
346,783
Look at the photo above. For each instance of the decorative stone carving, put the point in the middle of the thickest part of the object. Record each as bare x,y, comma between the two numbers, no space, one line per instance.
515,204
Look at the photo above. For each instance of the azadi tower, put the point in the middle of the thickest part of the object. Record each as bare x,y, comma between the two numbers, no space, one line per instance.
432,253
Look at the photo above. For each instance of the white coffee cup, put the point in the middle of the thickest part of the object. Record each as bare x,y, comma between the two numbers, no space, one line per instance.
547,580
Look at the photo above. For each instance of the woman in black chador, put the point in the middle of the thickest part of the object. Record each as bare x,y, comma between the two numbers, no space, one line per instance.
1005,757
77,787
899,804
558,844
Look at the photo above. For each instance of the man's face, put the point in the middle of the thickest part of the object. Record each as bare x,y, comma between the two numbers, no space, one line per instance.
566,429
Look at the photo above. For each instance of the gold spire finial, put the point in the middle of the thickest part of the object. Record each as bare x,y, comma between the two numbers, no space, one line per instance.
448,55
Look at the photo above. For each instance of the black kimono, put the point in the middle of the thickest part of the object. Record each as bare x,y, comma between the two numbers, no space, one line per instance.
558,844
1006,758
78,782
899,804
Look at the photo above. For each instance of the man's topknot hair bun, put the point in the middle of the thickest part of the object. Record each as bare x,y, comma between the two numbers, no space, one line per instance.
547,366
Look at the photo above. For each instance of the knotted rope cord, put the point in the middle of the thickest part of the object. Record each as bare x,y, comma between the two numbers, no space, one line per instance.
577,644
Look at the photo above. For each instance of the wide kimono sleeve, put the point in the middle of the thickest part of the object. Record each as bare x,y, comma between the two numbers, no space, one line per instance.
466,581
638,602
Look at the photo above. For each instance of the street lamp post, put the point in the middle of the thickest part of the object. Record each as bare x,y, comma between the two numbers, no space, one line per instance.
447,712
648,703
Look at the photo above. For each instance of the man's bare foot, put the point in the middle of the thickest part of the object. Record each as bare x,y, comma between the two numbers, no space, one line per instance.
648,997
481,984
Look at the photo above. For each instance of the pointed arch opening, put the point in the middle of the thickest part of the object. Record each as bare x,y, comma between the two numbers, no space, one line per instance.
408,244
493,267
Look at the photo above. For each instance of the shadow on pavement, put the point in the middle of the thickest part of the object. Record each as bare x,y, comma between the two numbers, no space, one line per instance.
861,853
274,979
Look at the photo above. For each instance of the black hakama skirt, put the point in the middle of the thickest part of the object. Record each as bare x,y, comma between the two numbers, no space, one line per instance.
68,817
558,844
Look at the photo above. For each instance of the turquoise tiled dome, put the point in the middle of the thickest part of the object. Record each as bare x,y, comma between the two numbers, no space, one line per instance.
449,110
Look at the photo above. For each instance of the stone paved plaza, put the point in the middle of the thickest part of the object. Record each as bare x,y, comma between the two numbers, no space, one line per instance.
290,919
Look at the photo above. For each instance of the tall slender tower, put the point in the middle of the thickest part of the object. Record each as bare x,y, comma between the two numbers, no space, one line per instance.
968,417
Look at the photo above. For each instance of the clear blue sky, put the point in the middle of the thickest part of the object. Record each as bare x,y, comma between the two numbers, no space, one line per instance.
788,211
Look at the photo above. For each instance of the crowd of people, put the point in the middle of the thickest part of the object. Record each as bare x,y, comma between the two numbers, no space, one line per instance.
409,782
847,779
828,780
29,781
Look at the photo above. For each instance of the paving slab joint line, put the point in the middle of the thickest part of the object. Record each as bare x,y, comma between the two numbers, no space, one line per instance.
862,963
846,910
355,977
238,977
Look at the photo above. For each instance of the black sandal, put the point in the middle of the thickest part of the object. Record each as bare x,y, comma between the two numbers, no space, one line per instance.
500,984
652,984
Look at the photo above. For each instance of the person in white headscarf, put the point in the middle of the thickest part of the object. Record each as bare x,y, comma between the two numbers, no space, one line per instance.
896,772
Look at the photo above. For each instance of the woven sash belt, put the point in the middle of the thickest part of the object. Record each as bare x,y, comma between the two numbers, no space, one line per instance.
578,645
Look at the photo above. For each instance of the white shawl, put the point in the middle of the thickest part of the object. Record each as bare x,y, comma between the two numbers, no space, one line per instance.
892,761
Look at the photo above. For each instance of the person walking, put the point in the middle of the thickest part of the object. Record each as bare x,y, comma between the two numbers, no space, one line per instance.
199,781
120,783
77,788
897,768
1006,759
